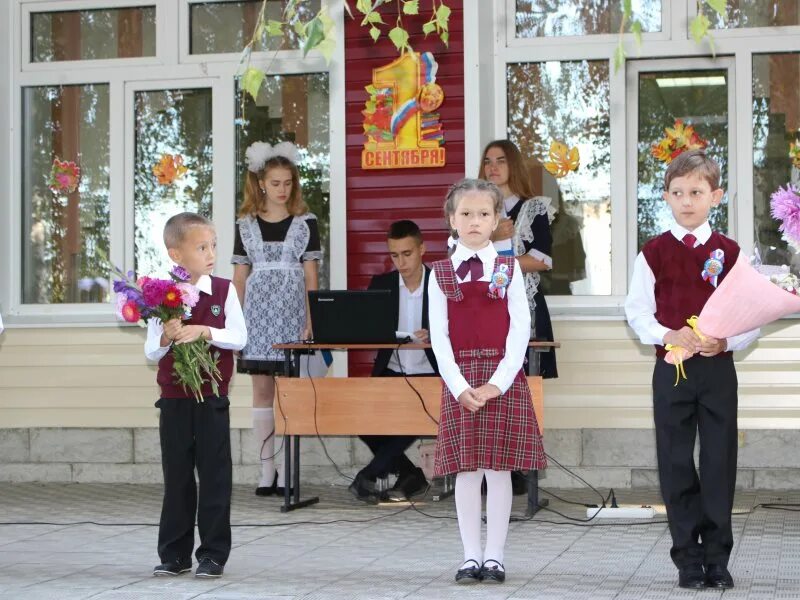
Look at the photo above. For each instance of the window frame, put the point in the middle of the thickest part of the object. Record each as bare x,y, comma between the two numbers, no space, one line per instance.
124,77
487,92
743,32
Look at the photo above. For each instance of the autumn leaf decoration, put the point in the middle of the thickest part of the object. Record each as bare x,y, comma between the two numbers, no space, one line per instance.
377,112
169,168
563,160
678,139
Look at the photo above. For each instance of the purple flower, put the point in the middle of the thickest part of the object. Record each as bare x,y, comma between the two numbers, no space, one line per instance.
785,205
178,273
153,291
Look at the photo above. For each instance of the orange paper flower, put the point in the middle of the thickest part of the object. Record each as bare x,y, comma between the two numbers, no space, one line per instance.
64,176
563,160
679,139
169,169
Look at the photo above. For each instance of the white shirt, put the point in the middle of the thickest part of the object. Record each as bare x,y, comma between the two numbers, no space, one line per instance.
518,333
640,305
409,319
232,337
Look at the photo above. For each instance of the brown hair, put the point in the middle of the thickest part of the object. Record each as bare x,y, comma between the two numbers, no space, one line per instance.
518,180
255,200
695,162
177,225
465,186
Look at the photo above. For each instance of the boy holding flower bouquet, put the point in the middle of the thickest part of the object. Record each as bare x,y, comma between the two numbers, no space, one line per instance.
673,278
194,424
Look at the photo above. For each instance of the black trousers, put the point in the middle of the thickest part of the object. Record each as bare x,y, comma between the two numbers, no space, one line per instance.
195,434
389,450
698,507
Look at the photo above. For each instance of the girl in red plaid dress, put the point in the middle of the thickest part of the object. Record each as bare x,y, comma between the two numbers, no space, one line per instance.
479,329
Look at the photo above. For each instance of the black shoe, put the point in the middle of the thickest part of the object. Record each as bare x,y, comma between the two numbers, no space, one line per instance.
519,483
363,489
691,577
208,568
171,569
718,577
493,573
407,486
469,574
270,490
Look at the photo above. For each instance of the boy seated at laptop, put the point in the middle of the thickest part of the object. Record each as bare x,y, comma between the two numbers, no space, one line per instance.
407,284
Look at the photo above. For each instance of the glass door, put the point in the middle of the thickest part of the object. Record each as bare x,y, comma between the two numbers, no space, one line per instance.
681,98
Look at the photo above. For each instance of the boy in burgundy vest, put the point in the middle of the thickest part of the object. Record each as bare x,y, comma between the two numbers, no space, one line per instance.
668,287
196,434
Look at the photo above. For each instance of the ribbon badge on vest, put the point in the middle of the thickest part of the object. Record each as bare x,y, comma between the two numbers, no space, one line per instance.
713,267
499,281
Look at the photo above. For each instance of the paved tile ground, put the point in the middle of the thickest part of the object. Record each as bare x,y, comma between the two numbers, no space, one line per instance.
342,549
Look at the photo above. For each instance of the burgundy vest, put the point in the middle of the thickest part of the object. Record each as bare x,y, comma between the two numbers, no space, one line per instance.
477,319
210,311
680,289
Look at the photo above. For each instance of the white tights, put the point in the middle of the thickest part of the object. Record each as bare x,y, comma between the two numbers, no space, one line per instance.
498,511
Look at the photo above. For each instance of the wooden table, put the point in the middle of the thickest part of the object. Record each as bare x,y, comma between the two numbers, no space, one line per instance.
348,406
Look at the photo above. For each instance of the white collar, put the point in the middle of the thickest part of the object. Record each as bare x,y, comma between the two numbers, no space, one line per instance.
204,284
510,202
486,254
702,233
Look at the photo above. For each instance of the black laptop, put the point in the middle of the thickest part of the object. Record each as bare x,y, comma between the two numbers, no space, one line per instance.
352,317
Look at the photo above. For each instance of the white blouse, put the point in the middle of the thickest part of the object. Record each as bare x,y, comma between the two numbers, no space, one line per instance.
518,334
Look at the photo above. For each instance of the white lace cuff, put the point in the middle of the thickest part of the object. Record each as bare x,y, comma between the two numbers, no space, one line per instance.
313,255
240,260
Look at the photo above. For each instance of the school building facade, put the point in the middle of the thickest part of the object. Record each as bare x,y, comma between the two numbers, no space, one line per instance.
110,86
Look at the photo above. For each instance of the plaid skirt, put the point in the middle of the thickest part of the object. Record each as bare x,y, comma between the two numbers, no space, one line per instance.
502,436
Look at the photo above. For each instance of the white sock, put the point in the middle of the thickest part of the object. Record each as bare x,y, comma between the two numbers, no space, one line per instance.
468,508
498,511
264,438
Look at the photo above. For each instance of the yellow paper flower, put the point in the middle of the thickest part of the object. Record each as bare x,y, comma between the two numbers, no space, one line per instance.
679,139
563,159
169,168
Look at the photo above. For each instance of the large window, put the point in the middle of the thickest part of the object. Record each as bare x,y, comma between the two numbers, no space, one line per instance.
65,193
776,125
744,14
568,102
293,108
173,134
124,128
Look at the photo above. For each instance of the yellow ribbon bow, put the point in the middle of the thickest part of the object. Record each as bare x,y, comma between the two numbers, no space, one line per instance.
678,351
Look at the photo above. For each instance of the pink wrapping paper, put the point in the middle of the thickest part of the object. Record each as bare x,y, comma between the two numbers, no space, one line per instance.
745,300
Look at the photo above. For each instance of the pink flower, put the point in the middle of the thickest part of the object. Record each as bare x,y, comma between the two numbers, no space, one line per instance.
154,290
130,312
785,205
189,294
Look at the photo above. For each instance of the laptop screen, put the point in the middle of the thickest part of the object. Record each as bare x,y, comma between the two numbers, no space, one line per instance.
352,317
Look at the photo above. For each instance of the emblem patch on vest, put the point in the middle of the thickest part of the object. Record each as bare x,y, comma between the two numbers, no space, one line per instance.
216,309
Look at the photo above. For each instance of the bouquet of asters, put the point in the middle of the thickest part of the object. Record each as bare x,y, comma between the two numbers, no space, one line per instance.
144,298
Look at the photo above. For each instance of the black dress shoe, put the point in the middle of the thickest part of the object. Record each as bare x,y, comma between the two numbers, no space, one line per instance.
363,489
493,572
173,568
718,577
691,577
269,490
407,486
469,574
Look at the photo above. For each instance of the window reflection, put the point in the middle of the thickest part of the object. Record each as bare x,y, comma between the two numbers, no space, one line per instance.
228,26
93,34
699,98
776,123
742,14
569,102
175,122
65,230
546,18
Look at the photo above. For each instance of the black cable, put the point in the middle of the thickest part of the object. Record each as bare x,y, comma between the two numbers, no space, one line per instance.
416,391
578,477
